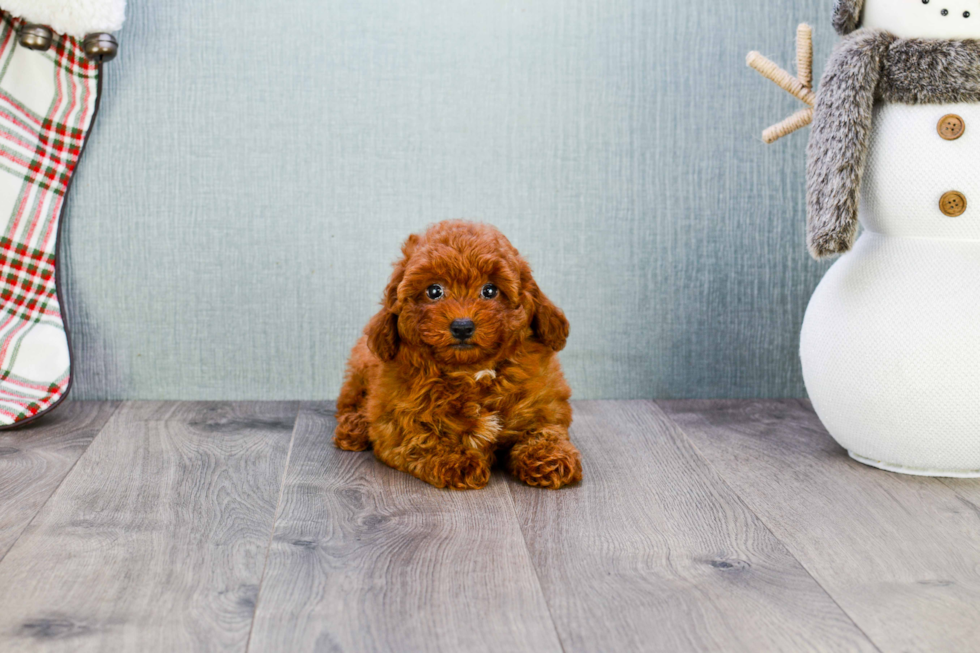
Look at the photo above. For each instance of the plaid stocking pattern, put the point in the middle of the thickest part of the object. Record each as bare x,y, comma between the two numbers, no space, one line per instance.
48,101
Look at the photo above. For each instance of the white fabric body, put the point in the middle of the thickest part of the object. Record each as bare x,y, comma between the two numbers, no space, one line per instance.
73,17
910,166
891,339
913,19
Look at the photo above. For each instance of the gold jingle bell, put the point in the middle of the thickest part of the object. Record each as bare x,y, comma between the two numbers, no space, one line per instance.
35,37
100,47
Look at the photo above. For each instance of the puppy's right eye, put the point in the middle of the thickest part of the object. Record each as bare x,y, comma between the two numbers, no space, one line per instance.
434,292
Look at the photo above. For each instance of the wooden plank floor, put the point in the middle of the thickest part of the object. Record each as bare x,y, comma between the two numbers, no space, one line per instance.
700,526
34,461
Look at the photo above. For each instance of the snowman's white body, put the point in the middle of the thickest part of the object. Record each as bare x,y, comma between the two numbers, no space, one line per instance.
891,338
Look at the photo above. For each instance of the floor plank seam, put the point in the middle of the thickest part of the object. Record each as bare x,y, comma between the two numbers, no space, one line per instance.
762,521
40,509
534,568
272,533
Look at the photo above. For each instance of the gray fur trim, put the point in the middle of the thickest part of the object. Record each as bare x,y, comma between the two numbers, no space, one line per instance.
847,15
869,66
838,144
919,71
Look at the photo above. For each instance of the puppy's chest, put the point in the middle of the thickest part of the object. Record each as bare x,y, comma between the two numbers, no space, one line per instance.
476,395
483,388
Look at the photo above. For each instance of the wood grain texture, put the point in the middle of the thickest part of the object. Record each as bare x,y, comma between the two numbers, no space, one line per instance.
654,552
967,490
615,142
34,460
365,558
156,540
900,554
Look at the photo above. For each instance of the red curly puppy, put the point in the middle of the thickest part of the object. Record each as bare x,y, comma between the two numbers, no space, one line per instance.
460,365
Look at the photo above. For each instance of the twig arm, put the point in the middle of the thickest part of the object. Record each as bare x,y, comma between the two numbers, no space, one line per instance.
800,87
798,120
804,55
768,69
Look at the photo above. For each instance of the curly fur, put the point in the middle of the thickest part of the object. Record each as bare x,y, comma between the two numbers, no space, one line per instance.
866,67
847,15
442,413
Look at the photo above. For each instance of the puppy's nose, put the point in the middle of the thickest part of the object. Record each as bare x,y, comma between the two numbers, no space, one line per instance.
462,328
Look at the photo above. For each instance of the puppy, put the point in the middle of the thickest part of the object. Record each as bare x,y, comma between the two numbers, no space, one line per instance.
459,366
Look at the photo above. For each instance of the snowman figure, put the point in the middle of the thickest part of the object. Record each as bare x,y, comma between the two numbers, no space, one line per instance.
890,344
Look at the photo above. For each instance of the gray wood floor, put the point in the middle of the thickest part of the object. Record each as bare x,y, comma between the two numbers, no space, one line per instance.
701,525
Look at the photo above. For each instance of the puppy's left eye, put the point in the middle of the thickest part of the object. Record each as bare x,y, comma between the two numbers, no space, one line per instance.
490,291
434,292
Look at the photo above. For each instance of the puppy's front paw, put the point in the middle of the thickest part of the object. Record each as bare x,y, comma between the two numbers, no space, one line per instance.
351,433
466,470
546,463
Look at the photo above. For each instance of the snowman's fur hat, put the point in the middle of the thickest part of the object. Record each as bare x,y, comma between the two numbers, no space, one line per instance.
847,15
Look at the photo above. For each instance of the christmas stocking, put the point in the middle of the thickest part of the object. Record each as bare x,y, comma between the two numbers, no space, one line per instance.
49,93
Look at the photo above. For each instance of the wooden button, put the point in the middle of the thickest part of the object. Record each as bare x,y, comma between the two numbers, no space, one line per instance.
951,127
952,204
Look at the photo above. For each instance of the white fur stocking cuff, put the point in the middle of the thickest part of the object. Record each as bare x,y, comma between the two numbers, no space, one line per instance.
73,17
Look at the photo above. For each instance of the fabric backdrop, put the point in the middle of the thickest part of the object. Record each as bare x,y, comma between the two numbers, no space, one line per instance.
254,171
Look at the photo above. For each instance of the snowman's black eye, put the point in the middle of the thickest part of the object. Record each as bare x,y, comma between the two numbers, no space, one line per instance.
489,291
966,14
945,12
925,2
434,292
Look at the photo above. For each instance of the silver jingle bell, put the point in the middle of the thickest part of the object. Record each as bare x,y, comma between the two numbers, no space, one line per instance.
35,37
100,47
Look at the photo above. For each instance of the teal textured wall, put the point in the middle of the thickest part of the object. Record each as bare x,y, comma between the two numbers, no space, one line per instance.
254,171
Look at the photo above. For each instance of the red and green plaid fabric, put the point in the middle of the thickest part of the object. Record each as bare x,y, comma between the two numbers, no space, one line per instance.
47,104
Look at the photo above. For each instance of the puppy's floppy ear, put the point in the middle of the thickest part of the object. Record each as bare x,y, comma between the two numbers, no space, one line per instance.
548,322
382,334
382,329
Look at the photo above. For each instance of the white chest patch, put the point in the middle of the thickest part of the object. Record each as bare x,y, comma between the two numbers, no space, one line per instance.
485,374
